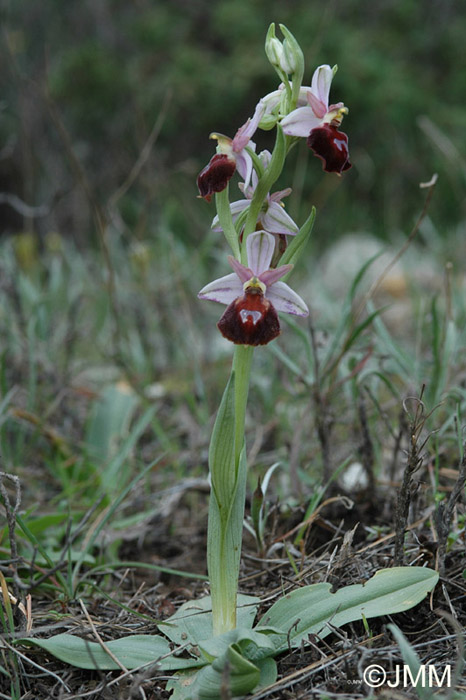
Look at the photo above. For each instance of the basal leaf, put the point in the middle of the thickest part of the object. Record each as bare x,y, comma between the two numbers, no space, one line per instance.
132,651
232,669
192,622
268,672
183,684
309,609
254,645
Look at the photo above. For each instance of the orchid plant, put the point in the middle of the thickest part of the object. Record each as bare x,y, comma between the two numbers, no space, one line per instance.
211,643
265,243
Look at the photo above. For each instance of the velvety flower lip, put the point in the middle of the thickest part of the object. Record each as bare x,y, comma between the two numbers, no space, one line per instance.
216,174
273,217
231,155
331,146
253,295
318,122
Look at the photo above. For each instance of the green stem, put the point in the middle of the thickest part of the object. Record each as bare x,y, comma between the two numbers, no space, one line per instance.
242,368
225,218
226,509
263,187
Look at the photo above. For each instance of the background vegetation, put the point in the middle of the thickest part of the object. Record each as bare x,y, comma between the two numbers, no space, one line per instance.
111,69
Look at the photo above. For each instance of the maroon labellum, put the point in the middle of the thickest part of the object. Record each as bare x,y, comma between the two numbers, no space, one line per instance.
331,146
216,174
250,319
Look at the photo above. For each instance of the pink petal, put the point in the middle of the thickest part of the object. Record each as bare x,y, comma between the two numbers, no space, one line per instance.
280,194
260,247
285,299
270,277
244,273
244,164
321,81
318,107
224,290
300,122
247,131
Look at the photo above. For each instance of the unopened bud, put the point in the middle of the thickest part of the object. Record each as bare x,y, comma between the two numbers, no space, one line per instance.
280,55
292,51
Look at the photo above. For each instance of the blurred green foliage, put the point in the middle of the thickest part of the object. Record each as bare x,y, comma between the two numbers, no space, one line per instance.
109,67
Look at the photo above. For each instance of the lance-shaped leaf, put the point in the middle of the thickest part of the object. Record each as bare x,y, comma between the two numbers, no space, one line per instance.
296,248
307,610
224,551
222,451
132,651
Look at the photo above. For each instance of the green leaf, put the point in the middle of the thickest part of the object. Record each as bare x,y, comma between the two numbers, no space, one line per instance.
224,551
192,622
222,203
230,669
222,451
181,684
295,249
268,672
254,645
112,473
308,610
109,420
132,651
411,659
183,687
406,361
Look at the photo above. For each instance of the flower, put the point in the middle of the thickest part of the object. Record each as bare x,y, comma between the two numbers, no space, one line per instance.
254,294
273,217
318,122
231,155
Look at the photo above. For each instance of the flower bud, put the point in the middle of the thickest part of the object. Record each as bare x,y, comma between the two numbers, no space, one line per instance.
280,54
292,51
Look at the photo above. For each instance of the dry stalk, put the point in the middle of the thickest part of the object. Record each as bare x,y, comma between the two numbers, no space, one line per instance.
413,463
444,514
11,512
